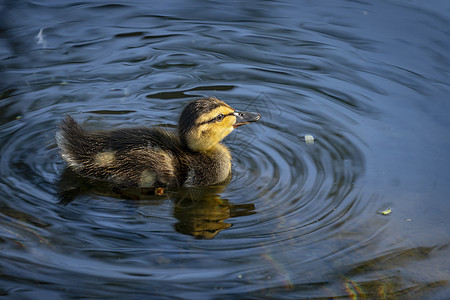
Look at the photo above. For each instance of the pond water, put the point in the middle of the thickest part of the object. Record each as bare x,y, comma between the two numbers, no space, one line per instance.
360,212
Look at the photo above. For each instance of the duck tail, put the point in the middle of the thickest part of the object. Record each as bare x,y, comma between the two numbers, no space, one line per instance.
73,141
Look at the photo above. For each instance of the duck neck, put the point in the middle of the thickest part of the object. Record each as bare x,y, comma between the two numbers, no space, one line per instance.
209,167
197,144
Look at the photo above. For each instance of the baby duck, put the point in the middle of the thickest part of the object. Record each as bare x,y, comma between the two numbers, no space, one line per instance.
157,157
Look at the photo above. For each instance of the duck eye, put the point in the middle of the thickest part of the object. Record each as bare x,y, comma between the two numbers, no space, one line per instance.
220,117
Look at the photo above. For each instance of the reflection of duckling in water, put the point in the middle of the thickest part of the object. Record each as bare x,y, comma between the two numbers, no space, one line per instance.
156,157
201,213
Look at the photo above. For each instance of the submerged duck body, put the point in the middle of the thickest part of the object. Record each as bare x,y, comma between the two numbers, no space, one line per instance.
157,157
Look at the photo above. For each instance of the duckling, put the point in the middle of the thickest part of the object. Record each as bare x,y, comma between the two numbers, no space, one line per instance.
157,157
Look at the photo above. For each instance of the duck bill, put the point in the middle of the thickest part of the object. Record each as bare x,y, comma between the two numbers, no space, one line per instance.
243,118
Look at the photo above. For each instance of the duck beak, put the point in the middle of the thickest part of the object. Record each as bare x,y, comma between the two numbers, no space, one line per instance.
243,118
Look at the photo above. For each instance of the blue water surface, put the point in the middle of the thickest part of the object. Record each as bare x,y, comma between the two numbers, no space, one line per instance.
360,213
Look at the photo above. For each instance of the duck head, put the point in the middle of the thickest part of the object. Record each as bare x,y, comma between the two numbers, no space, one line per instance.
205,122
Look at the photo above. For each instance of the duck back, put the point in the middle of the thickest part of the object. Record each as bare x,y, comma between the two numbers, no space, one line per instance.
138,156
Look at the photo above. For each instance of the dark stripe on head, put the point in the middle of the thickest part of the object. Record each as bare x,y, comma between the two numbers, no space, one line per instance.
215,119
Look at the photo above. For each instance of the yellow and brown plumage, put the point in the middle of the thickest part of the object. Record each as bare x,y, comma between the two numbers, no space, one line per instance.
157,157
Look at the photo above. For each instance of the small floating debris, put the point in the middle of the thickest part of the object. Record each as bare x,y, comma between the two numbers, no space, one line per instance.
385,212
309,139
40,38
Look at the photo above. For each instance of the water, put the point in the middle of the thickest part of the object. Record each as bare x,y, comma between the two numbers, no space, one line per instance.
369,80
